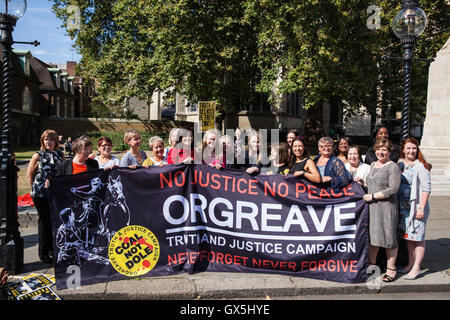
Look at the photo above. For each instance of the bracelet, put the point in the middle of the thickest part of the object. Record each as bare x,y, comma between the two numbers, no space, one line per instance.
420,208
373,197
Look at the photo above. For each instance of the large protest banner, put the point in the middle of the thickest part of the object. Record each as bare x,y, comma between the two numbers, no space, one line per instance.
187,218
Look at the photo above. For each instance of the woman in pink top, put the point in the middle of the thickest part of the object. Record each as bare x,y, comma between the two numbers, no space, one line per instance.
183,151
210,155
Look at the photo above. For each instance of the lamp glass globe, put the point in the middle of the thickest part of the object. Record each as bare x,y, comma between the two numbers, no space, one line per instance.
15,8
409,22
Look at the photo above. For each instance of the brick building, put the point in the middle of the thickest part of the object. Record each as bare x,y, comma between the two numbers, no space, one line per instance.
42,90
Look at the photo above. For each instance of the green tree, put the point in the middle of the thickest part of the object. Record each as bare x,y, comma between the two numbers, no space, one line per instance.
131,48
232,50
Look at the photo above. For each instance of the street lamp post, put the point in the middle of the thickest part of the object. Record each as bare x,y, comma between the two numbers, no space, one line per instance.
11,244
409,23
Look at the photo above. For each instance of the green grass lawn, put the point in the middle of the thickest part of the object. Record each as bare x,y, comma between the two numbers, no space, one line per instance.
25,153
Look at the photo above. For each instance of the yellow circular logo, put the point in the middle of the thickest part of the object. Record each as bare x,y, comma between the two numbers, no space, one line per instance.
133,251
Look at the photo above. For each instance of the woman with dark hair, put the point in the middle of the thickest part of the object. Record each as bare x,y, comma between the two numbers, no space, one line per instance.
331,169
382,183
291,135
279,159
42,166
105,159
414,192
382,133
300,165
341,149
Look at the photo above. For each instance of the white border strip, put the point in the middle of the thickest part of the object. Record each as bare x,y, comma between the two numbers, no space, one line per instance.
260,236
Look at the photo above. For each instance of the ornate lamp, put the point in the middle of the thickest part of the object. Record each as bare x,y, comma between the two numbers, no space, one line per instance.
11,244
409,23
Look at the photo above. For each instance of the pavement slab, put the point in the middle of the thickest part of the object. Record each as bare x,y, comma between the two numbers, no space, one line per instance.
225,285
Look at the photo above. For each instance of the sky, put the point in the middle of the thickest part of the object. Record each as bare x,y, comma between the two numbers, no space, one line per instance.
40,23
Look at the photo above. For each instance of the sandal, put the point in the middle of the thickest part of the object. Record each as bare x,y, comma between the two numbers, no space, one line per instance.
388,278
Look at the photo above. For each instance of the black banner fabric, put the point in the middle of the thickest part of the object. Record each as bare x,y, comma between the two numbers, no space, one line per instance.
124,223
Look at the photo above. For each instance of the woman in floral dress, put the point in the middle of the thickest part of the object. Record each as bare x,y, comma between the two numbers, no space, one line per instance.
413,197
41,168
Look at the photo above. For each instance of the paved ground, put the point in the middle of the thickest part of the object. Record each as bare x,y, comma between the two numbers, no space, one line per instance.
210,285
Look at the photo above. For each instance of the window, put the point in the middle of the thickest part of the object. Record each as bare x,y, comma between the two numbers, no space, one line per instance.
294,103
72,109
24,63
190,106
58,107
27,100
56,79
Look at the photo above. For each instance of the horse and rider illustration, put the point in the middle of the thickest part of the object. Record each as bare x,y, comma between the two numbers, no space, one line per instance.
88,221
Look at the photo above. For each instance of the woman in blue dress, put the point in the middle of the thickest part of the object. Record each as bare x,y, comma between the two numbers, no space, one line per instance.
413,195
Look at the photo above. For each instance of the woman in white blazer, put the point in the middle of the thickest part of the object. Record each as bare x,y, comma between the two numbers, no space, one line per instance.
358,169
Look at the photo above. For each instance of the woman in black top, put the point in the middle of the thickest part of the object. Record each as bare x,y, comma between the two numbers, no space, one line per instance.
382,133
279,159
300,164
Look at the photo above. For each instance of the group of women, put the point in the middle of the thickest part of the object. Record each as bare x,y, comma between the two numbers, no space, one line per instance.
397,180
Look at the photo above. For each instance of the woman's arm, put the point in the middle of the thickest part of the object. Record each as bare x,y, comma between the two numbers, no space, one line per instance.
32,168
124,160
311,172
424,178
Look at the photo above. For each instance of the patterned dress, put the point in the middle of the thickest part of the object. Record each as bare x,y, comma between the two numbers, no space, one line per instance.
48,163
383,214
414,229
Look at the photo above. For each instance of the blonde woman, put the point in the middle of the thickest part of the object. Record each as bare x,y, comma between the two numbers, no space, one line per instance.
134,157
210,140
183,151
173,135
253,161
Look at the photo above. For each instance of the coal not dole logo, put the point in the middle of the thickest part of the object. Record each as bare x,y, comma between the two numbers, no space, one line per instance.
134,251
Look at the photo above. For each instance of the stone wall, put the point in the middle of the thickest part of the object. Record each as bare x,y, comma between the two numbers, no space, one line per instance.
435,143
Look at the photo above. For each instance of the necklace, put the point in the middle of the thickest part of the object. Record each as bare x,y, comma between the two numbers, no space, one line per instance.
371,175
